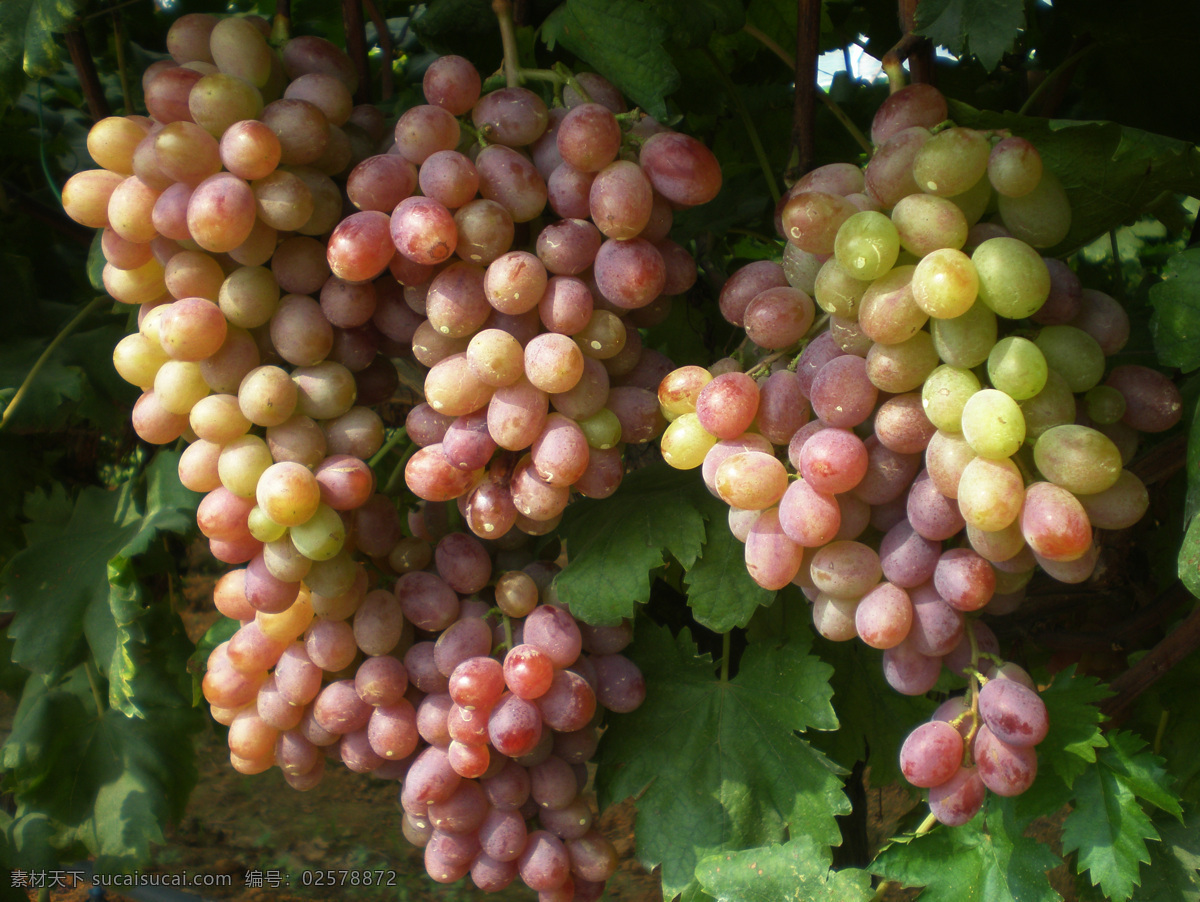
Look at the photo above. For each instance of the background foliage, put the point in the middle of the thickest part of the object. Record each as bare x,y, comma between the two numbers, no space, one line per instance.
754,734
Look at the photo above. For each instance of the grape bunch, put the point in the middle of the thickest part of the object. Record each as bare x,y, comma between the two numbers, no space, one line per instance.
1008,720
536,373
213,212
472,687
278,262
925,420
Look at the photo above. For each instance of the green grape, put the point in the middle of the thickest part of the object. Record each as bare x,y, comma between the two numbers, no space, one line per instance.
990,493
1074,354
1013,278
945,283
321,536
1014,167
965,340
602,429
837,291
951,161
1104,405
685,442
975,201
1042,217
262,527
1017,367
945,393
1052,406
867,245
332,576
992,424
1078,458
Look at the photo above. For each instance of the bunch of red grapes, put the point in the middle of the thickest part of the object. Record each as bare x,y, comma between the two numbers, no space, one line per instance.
281,246
537,376
943,429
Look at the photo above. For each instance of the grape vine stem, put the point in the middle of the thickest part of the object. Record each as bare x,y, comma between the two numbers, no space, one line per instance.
387,85
830,104
70,327
508,38
393,440
94,683
725,642
122,63
356,47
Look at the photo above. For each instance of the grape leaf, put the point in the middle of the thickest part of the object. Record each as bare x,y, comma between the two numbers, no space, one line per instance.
466,27
1189,557
45,401
1108,827
797,871
1174,862
737,775
1074,735
986,28
694,22
109,781
1175,323
614,544
59,587
874,718
987,860
148,670
29,43
1111,172
623,41
1171,699
720,591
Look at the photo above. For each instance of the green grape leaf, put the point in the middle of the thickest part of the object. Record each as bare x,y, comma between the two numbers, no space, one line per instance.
148,670
1111,173
1175,323
29,43
796,871
985,28
112,782
1171,700
1189,556
623,41
694,22
59,587
1071,704
46,400
466,27
720,591
614,543
874,718
1174,871
987,860
1108,827
738,775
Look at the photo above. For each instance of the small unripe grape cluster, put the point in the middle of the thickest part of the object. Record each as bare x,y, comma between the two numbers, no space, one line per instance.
971,456
536,373
472,687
